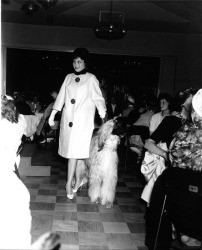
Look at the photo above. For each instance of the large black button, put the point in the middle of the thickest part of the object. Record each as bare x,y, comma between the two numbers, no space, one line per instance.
70,124
73,101
77,79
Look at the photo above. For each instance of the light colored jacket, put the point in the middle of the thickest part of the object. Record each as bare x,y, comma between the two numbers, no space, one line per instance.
79,101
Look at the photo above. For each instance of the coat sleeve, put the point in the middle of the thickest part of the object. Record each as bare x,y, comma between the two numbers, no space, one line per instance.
98,98
60,100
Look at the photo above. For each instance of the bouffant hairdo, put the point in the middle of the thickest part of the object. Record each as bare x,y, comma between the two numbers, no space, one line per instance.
181,97
83,53
165,96
8,110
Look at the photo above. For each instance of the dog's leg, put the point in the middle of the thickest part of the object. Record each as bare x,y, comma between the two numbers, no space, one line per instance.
108,191
108,188
94,189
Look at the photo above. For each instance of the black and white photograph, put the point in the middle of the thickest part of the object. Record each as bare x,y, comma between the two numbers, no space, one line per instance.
101,125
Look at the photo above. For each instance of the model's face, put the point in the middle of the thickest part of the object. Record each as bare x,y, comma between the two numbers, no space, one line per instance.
164,104
78,64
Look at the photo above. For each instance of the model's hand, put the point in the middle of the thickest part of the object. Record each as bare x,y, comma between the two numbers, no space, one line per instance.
51,121
102,113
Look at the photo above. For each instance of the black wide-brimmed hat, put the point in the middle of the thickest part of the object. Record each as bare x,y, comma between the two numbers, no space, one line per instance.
83,53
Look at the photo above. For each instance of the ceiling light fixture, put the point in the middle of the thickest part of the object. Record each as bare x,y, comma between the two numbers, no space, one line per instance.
29,7
47,3
110,25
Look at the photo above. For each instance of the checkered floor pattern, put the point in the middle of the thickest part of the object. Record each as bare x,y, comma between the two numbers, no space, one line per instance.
82,224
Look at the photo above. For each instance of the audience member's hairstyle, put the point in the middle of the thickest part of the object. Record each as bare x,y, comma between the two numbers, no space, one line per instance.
167,97
8,110
142,103
151,104
181,97
197,106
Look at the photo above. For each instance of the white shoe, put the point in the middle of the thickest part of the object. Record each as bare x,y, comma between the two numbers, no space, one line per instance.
70,196
81,184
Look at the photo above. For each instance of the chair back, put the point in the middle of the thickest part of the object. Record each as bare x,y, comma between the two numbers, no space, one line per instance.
184,200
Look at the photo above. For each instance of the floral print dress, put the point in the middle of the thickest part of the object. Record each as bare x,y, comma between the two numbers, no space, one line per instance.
186,148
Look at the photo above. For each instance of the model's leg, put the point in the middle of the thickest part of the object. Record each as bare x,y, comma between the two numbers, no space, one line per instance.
71,170
80,173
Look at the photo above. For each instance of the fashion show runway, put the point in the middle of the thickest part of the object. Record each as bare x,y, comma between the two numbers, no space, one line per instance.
80,223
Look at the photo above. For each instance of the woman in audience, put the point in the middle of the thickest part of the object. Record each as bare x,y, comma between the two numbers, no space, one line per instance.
22,105
129,106
15,215
80,95
35,104
185,153
186,147
165,106
46,114
13,127
139,131
156,157
170,124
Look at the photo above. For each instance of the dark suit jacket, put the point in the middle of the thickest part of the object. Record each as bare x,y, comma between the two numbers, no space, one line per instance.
110,113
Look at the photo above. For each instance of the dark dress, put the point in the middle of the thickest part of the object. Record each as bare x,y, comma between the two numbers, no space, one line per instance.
166,130
112,113
164,133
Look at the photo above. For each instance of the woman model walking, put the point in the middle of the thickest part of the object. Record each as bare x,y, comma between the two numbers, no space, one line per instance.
79,97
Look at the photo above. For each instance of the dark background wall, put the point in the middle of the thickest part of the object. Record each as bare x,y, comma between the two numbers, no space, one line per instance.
185,48
42,71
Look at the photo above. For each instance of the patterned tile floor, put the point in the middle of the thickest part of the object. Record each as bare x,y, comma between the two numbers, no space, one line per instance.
82,224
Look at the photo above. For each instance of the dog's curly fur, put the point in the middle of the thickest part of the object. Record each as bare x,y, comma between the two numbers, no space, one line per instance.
103,161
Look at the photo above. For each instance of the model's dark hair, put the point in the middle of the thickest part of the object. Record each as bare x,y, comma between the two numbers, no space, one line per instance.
83,53
9,110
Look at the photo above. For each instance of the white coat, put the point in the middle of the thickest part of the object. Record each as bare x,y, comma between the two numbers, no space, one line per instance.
79,101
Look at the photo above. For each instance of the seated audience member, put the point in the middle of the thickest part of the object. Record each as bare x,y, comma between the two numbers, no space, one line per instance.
46,114
15,214
129,106
35,104
139,131
22,106
170,124
113,107
165,102
186,147
134,115
13,127
185,153
156,159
